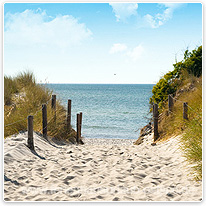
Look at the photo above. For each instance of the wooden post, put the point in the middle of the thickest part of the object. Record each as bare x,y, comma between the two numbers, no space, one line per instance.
30,140
44,120
80,124
53,105
69,115
78,120
155,118
185,109
170,103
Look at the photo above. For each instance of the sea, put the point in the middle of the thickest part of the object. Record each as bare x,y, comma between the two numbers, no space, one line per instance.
109,110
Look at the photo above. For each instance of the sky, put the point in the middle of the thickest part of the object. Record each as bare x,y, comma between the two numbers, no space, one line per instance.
116,43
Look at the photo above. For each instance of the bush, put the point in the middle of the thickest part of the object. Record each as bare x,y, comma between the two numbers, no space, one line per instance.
192,62
191,65
168,84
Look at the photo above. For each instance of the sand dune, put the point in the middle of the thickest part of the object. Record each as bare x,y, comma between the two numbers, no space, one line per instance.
99,170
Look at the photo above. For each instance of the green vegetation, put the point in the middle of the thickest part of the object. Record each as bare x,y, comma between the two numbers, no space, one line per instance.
189,67
23,97
184,83
192,62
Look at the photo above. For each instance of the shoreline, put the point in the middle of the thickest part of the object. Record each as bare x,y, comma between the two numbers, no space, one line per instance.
108,141
99,170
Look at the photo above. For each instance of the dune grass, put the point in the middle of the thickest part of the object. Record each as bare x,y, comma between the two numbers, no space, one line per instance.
23,97
191,130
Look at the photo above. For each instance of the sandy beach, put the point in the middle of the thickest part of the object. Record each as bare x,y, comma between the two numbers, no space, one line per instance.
99,170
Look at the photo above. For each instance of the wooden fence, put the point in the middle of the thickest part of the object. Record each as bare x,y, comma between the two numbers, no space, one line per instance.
170,109
30,118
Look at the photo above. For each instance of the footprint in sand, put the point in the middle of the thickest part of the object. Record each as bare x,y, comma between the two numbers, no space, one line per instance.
38,169
99,197
88,159
158,179
22,178
78,166
76,195
116,199
67,179
120,178
54,172
128,198
145,166
64,168
121,181
139,175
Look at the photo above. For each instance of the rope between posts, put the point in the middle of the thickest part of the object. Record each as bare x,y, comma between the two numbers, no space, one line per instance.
188,106
15,122
37,112
181,102
178,101
41,107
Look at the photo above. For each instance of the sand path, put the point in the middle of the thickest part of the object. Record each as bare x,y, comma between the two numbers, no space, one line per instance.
99,170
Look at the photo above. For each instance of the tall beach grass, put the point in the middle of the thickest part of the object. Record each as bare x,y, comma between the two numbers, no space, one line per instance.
23,97
190,130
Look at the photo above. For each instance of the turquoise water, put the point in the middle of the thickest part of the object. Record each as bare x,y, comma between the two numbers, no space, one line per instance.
109,110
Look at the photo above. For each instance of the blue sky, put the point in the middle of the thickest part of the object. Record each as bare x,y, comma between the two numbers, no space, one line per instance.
89,43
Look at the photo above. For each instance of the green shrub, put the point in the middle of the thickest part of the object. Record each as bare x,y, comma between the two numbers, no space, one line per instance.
192,62
168,84
191,65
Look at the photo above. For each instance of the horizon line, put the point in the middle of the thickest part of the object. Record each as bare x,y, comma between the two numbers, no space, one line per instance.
94,83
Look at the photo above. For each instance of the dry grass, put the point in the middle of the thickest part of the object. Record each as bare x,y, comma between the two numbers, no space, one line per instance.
27,99
173,124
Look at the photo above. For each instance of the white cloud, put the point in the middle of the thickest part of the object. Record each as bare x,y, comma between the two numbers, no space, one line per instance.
172,5
150,21
35,28
136,52
133,53
117,48
161,18
124,10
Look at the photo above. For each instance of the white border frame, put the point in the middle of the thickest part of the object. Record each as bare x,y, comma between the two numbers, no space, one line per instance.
96,1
